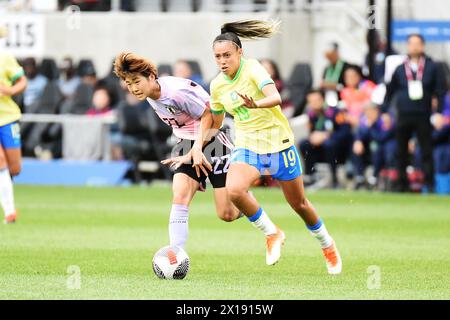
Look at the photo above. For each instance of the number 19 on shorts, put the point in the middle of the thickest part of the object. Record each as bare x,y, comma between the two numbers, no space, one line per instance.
289,158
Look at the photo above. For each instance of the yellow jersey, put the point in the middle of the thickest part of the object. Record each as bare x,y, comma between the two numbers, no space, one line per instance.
264,130
10,71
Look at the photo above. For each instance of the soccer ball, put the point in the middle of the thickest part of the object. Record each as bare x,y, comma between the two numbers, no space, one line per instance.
171,262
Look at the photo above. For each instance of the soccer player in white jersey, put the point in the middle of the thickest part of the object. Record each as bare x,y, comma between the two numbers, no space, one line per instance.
184,105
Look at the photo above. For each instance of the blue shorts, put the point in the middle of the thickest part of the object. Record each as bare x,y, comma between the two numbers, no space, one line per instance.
284,165
10,136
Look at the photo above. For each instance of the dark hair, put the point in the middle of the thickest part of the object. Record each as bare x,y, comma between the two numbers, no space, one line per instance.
355,68
318,91
335,46
247,29
417,35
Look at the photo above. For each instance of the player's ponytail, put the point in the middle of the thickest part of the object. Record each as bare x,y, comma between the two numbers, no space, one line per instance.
247,29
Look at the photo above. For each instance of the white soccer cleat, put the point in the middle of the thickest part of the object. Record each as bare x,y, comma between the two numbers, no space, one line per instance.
273,247
333,259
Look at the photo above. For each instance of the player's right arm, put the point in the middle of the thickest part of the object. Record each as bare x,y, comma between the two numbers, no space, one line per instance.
198,158
217,108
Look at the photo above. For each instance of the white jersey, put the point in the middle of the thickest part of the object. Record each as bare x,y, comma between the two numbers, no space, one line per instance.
181,105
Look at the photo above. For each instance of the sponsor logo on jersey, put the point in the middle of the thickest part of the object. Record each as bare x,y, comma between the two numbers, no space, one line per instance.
171,109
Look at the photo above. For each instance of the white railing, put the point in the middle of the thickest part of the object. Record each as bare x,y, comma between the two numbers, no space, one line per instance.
63,118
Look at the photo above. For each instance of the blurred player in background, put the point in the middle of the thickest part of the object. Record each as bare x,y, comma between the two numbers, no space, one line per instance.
12,82
264,141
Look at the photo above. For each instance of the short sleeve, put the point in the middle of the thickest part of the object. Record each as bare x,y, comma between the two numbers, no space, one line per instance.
191,103
259,75
13,70
216,106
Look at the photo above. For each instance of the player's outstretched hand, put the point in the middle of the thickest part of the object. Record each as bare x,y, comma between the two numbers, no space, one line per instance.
248,101
200,162
176,162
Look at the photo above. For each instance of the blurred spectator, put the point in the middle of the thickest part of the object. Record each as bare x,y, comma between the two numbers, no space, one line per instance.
182,69
164,70
112,83
69,80
87,72
333,75
130,134
274,73
330,137
36,83
101,101
49,69
92,5
81,100
128,5
96,5
414,83
441,139
375,143
379,58
356,93
272,68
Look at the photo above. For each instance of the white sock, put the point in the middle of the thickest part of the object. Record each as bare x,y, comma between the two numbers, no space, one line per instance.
178,225
6,192
262,221
319,231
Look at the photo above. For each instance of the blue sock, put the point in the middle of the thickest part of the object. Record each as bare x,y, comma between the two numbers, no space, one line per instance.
256,216
262,221
320,233
316,226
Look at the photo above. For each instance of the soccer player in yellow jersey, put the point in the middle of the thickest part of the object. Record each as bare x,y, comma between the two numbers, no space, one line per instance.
12,82
264,141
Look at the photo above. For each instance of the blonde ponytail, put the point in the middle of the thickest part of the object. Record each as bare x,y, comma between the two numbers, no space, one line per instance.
247,29
252,29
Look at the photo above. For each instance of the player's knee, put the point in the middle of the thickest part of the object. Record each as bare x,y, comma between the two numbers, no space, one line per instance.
227,216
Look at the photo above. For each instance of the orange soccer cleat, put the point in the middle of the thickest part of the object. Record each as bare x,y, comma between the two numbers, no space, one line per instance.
332,259
273,247
11,218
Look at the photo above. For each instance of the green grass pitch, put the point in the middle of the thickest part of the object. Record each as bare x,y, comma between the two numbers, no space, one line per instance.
110,235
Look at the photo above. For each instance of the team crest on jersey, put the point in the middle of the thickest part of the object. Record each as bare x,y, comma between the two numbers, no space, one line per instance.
234,96
171,109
